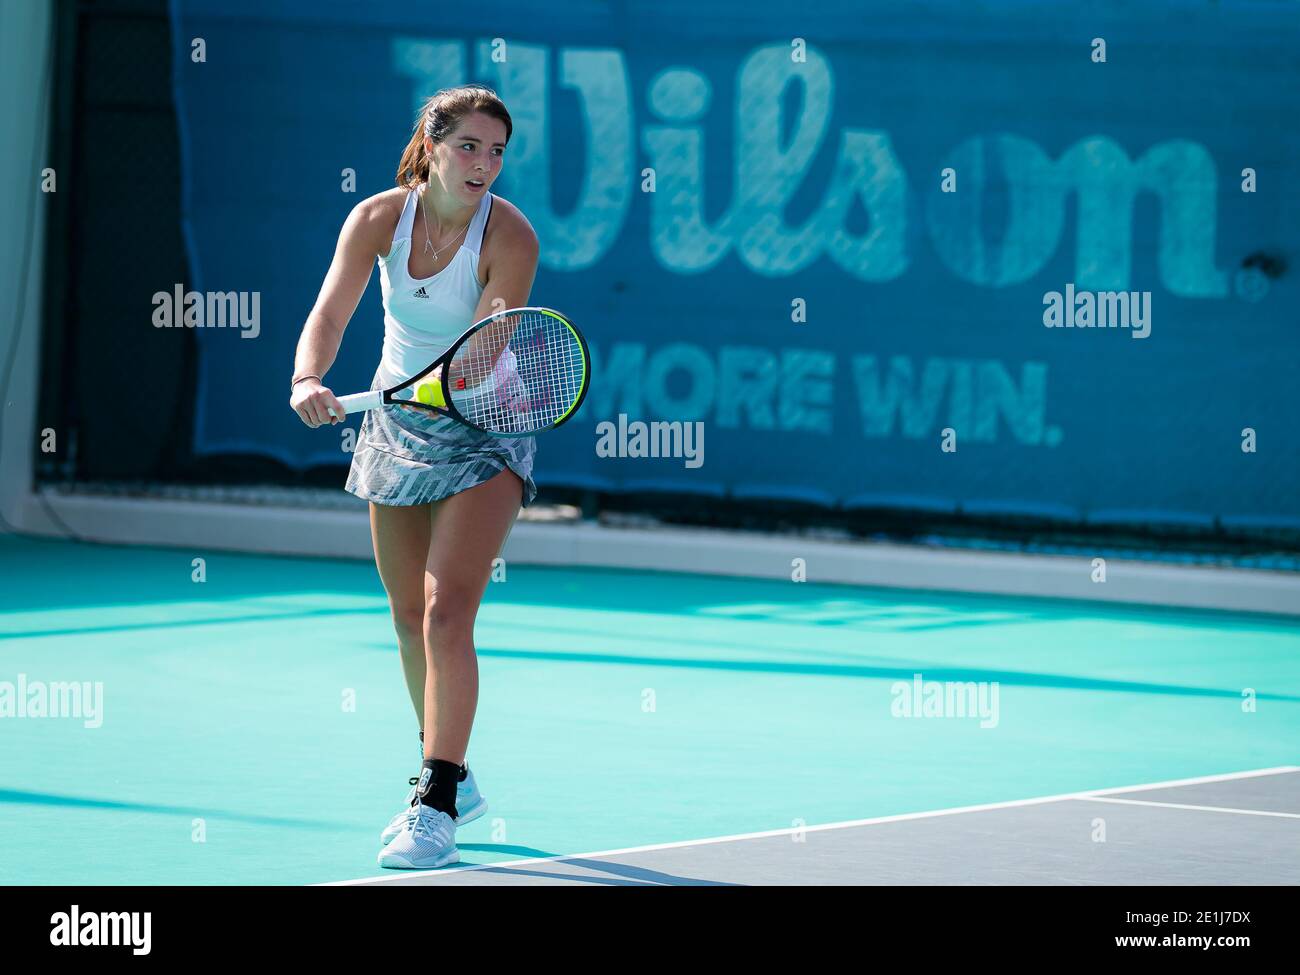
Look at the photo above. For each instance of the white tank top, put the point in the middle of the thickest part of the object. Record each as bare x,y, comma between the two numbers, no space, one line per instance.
423,316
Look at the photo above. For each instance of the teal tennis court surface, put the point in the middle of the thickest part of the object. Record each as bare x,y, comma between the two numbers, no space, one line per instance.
253,729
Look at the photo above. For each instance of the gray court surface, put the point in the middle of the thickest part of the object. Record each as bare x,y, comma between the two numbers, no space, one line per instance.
1242,829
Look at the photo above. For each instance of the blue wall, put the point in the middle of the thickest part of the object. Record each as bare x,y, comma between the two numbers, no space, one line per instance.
783,184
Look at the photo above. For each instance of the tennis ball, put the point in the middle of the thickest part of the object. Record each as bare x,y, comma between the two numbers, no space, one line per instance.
424,393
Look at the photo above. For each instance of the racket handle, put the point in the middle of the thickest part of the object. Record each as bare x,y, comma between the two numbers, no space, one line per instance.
360,402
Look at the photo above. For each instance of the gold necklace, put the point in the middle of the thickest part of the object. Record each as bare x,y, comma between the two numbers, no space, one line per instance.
428,238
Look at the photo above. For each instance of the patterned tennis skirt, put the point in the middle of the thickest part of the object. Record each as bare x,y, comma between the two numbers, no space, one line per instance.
405,457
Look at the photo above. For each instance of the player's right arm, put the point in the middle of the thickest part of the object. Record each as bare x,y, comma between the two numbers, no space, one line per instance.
360,241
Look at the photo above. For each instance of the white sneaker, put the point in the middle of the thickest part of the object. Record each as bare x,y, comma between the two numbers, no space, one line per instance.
470,805
427,840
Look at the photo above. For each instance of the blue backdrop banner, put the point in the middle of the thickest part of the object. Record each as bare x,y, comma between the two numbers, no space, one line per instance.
998,257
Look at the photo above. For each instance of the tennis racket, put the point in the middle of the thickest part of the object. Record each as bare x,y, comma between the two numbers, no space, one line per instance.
513,374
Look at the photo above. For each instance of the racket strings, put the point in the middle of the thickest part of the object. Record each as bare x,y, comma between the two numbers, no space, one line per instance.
520,373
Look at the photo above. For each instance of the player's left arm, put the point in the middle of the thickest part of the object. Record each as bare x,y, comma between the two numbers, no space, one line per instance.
512,266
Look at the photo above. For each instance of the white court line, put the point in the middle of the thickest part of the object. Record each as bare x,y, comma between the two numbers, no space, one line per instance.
1179,805
1089,794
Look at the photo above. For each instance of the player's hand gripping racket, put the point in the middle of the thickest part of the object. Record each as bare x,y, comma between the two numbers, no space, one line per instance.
514,374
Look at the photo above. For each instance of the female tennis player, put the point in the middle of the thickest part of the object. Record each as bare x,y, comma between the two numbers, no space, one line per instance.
443,497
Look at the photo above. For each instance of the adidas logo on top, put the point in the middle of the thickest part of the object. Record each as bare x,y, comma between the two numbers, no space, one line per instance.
420,294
